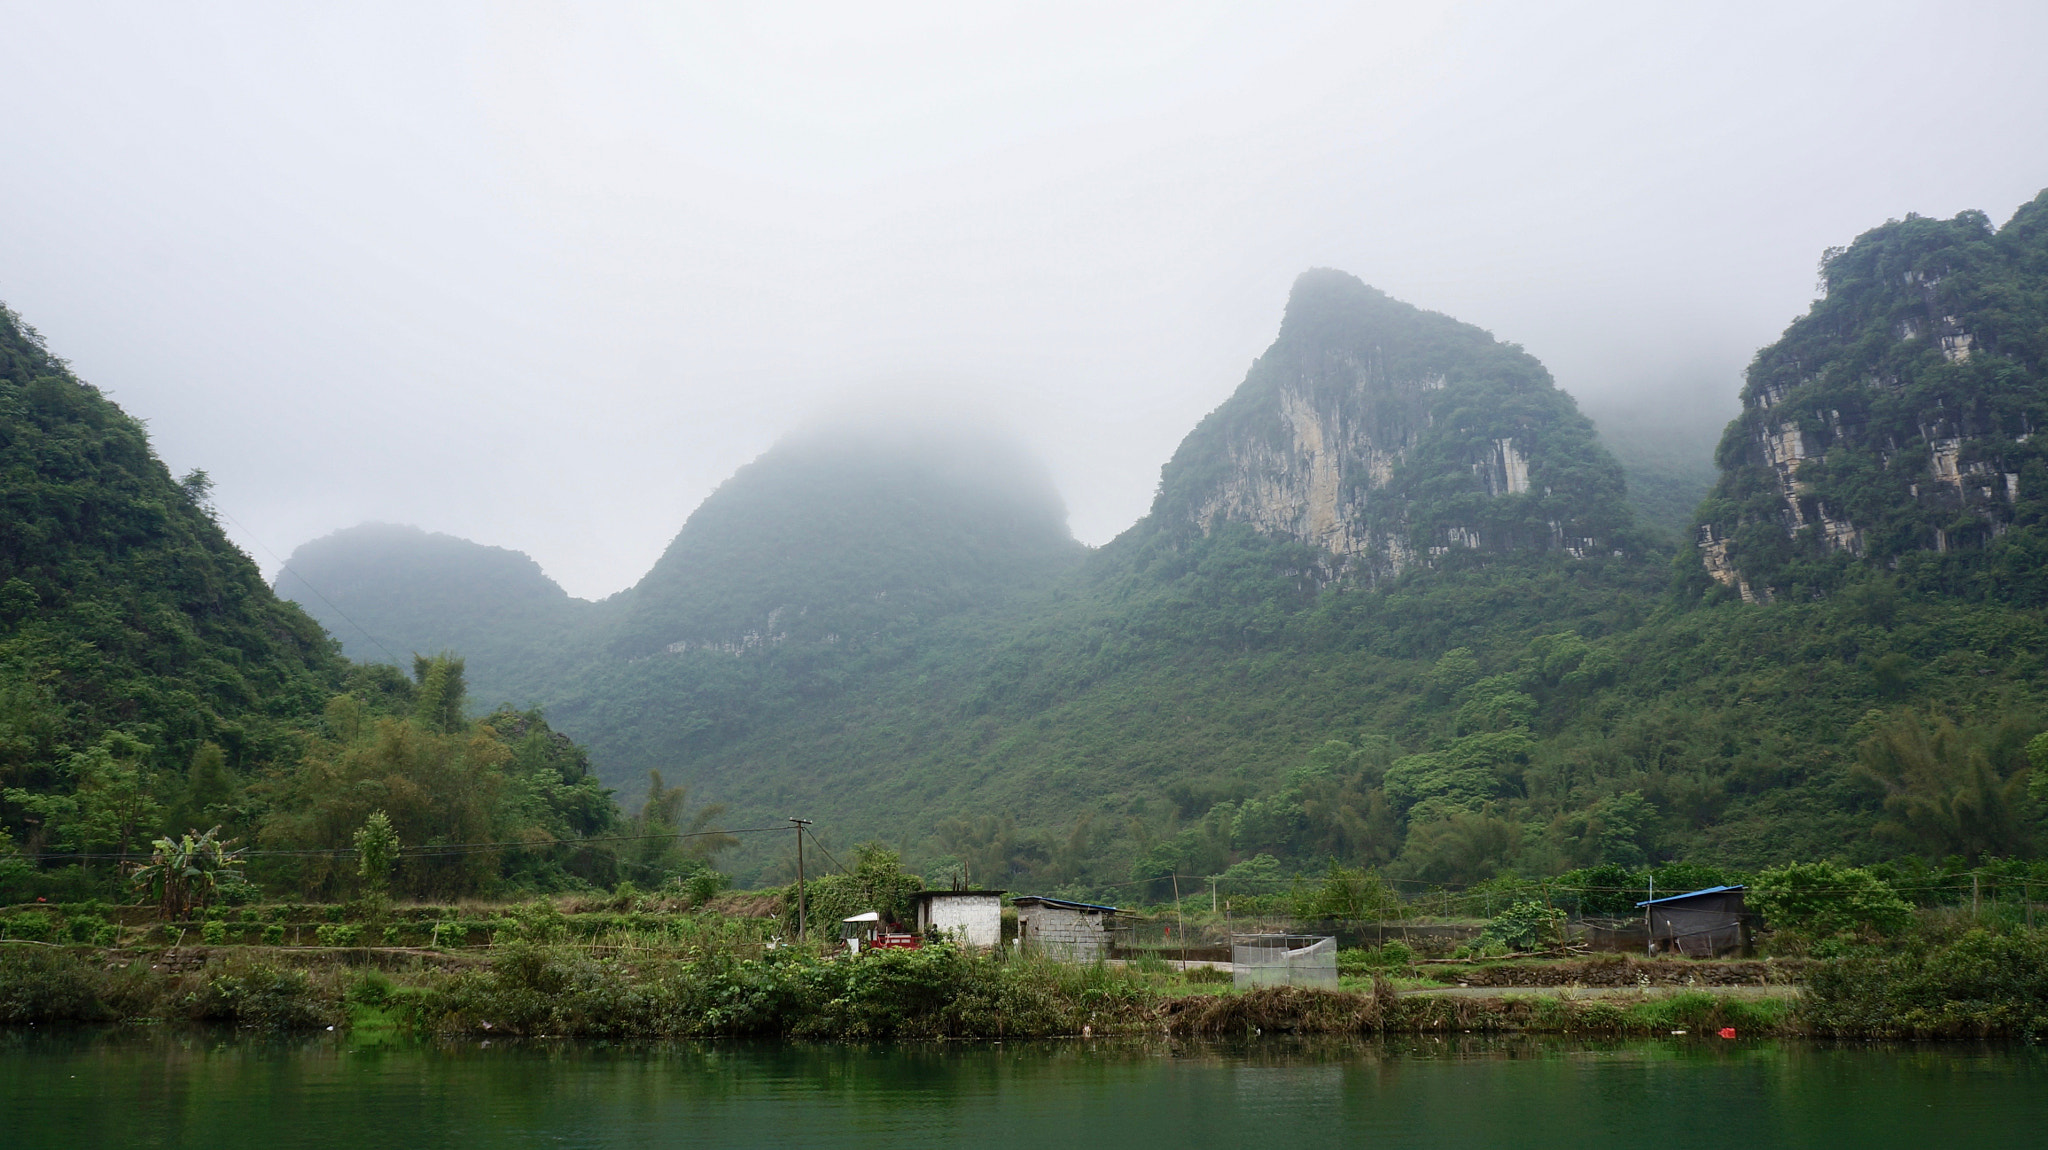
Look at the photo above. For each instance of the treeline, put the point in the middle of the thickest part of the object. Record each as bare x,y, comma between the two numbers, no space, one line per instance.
500,805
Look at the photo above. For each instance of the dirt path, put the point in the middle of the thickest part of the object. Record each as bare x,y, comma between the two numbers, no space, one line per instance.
1778,991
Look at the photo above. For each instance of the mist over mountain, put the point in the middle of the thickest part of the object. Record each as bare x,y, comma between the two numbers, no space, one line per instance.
1393,604
389,592
1392,437
843,534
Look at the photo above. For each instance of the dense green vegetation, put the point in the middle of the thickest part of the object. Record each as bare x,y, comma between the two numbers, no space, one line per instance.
151,685
135,641
1227,703
407,592
1914,390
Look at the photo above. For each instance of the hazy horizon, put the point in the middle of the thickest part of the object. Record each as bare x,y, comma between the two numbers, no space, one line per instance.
543,276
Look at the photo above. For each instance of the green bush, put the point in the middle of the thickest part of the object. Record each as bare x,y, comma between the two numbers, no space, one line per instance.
394,935
1356,963
44,986
31,926
262,997
1811,902
1527,925
213,932
1981,986
273,935
337,933
86,927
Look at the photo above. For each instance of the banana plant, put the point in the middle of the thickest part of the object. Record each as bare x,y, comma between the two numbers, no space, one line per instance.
185,871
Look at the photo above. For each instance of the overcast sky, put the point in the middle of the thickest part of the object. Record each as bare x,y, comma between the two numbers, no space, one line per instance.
542,275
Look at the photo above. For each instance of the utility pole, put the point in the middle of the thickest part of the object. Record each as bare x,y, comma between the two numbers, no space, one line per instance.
1649,932
802,915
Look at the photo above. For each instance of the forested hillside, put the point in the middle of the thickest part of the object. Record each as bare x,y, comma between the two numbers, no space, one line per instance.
1392,608
1898,421
132,634
390,592
151,685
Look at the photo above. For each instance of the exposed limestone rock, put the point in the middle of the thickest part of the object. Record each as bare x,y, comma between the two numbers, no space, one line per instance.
1908,394
1387,436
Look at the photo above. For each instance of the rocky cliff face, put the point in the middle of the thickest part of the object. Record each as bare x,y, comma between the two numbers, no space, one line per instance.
1898,416
1391,437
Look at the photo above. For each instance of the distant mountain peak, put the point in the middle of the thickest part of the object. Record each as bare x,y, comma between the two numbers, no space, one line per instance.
1393,437
1899,418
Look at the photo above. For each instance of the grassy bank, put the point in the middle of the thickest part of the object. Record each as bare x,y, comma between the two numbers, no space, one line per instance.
934,993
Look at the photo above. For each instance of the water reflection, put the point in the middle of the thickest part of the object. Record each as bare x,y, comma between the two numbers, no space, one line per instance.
220,1092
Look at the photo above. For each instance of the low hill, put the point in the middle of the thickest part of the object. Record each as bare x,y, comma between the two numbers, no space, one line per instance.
390,592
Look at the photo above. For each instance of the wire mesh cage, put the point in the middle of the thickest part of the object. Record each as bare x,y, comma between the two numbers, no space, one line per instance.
1284,960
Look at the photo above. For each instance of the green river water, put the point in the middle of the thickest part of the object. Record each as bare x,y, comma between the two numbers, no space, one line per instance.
121,1090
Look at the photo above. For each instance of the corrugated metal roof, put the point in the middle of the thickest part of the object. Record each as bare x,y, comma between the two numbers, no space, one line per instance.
1691,894
1066,904
930,893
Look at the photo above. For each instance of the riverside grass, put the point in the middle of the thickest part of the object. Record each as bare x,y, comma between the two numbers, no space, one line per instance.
935,993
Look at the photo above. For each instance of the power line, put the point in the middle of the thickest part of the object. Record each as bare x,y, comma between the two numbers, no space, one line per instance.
283,566
428,850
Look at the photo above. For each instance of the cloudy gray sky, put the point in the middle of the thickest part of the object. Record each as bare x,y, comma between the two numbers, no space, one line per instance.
542,275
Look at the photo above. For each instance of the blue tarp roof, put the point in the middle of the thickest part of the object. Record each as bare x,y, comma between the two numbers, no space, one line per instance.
1069,904
1690,894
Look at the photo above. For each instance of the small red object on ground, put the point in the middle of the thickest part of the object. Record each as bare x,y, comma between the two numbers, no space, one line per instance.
1727,1032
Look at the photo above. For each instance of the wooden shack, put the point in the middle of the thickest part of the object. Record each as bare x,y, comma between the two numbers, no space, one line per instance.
1073,931
968,917
1699,923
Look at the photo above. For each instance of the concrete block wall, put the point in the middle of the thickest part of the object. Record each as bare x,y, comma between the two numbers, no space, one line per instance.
1076,936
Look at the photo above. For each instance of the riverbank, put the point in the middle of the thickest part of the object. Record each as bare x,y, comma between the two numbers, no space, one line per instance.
1981,986
934,993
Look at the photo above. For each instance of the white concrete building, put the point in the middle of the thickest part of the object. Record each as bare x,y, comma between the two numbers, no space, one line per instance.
968,917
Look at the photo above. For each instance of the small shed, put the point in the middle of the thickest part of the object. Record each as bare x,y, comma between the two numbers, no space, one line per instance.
1698,923
860,929
968,917
1074,931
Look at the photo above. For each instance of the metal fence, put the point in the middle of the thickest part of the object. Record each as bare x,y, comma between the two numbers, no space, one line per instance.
1284,960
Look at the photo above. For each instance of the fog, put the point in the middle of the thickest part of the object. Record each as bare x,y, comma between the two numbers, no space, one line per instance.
542,275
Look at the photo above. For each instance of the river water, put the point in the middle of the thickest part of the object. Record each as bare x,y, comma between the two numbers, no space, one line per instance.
219,1092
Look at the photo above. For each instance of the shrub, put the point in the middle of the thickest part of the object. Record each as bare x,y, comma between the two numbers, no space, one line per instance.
1208,974
213,932
273,935
1810,902
337,933
394,935
1981,986
32,926
1526,925
42,986
262,997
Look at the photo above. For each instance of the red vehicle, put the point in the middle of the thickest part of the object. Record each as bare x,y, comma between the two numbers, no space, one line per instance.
897,941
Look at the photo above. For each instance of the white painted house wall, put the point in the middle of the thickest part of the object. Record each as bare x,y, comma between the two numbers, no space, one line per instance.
970,919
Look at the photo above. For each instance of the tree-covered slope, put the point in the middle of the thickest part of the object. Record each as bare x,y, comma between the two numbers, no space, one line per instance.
1249,683
123,608
813,570
849,534
390,592
1898,421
